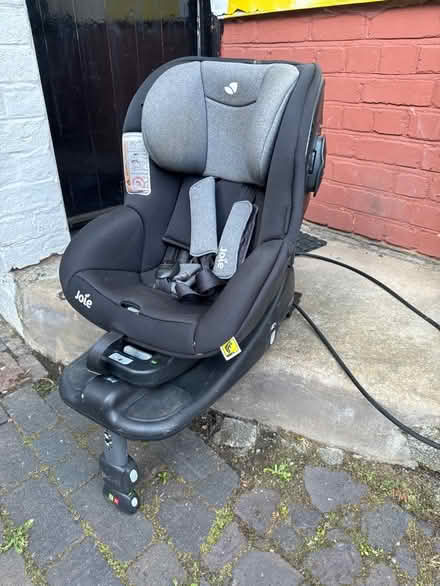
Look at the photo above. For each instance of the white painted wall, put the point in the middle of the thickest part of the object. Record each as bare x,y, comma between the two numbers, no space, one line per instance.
32,218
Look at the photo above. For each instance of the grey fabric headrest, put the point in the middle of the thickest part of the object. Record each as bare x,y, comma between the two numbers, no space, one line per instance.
217,118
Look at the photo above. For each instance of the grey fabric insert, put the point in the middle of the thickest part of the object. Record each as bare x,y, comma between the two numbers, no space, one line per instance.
227,257
174,119
275,90
218,75
217,118
203,217
227,134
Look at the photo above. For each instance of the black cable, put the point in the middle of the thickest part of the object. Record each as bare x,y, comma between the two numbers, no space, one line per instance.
339,360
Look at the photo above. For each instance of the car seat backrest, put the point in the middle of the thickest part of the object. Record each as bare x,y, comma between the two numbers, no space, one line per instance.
217,118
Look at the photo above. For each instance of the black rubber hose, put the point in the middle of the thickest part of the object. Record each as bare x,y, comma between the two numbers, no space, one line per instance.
339,360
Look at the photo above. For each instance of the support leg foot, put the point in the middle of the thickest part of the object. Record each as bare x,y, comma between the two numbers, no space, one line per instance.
120,473
126,502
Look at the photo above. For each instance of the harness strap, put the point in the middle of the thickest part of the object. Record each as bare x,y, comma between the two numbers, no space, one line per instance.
202,271
205,282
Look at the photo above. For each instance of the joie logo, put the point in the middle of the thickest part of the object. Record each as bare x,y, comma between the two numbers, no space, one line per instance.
84,298
232,88
221,259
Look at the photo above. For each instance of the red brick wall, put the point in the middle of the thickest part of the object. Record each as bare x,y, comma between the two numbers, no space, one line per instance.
382,112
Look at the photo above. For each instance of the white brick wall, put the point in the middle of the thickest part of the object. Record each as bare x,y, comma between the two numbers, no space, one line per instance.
32,218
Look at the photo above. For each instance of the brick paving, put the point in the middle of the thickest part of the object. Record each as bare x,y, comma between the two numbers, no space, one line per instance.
210,516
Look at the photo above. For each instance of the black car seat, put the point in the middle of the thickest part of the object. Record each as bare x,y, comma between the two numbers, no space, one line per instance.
253,140
220,158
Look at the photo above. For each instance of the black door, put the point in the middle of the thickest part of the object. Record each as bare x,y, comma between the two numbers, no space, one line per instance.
93,55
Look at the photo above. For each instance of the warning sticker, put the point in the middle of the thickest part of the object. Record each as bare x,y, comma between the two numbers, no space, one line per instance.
136,164
230,349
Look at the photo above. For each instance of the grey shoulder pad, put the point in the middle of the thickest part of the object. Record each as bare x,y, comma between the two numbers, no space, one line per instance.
203,217
226,261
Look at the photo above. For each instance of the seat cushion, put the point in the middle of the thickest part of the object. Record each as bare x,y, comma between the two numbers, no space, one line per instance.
174,327
163,323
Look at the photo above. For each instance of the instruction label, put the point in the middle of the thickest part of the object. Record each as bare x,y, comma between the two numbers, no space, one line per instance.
136,164
230,349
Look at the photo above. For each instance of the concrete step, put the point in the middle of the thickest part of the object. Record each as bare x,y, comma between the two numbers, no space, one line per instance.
394,354
48,323
297,385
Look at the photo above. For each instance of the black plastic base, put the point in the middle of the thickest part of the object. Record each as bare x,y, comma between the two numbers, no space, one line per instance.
144,413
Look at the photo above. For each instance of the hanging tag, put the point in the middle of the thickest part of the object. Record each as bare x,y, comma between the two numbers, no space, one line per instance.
136,164
230,349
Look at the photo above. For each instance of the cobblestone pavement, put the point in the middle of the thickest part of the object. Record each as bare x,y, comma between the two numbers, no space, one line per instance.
225,503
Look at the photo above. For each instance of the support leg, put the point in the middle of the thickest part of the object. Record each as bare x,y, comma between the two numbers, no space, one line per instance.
119,472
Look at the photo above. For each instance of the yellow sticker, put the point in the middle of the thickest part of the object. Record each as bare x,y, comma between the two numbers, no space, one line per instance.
230,349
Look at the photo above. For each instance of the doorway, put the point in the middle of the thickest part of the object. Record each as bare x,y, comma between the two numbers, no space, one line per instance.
92,56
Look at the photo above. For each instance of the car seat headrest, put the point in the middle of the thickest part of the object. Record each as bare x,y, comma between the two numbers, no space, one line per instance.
217,118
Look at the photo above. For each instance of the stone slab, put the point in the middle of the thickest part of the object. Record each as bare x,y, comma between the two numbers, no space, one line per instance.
17,462
236,434
264,569
329,489
76,471
216,488
158,566
32,367
406,560
126,535
73,419
54,445
331,456
82,566
300,524
229,547
332,566
381,575
304,519
187,524
10,372
287,538
187,455
385,526
28,410
256,508
53,529
12,570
